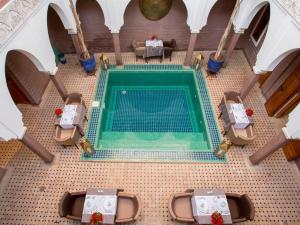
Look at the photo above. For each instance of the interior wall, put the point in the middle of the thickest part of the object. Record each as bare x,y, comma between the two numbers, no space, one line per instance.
58,35
97,36
137,27
210,35
30,81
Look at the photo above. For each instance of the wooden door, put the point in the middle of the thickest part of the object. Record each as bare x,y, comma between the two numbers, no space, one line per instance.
16,92
286,97
292,150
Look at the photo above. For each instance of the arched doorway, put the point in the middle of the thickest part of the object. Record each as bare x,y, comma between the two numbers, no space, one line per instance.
58,35
97,36
25,82
210,36
253,38
137,27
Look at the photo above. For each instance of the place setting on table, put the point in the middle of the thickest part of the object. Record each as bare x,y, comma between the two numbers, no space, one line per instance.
235,114
100,206
154,48
210,206
71,116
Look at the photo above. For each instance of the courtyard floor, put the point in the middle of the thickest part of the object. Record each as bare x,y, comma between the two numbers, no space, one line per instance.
32,189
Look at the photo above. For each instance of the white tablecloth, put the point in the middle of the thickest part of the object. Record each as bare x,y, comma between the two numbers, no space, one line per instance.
67,118
206,205
105,204
154,43
240,116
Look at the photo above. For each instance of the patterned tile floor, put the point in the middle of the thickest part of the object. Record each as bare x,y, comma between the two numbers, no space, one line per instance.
33,189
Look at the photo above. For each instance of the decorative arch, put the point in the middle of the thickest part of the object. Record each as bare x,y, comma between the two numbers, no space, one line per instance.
64,19
135,20
39,65
96,33
247,12
64,12
279,58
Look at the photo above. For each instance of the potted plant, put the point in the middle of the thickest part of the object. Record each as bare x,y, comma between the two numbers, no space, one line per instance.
87,59
216,60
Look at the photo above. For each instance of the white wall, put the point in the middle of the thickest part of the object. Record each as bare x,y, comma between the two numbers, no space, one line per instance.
32,39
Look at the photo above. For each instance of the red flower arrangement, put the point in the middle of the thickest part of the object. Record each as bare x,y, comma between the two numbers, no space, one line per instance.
249,112
216,218
154,37
58,112
96,218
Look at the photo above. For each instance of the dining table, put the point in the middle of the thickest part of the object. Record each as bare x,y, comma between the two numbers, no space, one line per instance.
154,48
207,201
72,116
100,200
234,114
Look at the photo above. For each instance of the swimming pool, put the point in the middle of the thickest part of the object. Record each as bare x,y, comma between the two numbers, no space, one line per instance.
152,113
152,110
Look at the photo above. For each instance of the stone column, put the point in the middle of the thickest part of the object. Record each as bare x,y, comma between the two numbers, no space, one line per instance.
248,86
76,44
116,41
190,51
233,41
273,145
37,148
59,86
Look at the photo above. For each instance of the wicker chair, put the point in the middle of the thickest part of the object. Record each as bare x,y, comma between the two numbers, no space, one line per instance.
241,137
129,208
169,47
75,99
241,207
180,207
71,205
231,97
139,48
67,137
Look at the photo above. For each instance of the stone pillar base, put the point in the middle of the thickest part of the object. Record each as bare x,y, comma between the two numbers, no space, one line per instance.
190,51
116,41
37,148
59,86
272,146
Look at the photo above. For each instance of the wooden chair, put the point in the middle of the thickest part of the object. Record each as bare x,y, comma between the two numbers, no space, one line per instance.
129,208
169,47
241,207
67,137
241,137
139,48
71,205
180,207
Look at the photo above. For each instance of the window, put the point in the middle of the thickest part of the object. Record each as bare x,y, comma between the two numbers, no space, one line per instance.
261,26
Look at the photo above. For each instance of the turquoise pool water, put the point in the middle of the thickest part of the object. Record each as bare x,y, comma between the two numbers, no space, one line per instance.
159,110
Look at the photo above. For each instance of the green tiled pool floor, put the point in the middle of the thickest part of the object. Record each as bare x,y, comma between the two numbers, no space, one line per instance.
165,138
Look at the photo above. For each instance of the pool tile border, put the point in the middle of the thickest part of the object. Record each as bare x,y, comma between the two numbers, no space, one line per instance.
151,155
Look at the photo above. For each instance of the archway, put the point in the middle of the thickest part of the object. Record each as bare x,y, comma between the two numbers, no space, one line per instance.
137,27
253,38
24,80
211,34
58,35
97,35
